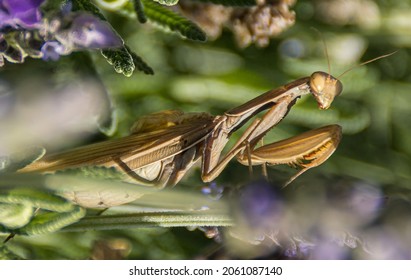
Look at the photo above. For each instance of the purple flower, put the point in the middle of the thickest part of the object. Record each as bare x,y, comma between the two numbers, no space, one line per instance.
328,250
387,243
298,249
366,201
52,50
20,13
259,212
88,31
261,204
213,191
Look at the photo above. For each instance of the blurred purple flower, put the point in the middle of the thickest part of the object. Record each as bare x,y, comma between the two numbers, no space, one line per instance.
305,248
365,201
298,249
90,32
328,250
388,243
213,191
52,50
20,13
261,208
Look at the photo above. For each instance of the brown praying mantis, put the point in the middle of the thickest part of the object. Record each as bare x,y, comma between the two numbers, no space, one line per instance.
163,146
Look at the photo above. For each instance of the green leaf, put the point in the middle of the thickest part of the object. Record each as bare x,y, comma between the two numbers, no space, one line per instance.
50,7
125,61
20,159
172,21
14,216
6,254
121,60
36,199
167,2
139,9
17,211
230,3
150,219
139,62
86,5
52,222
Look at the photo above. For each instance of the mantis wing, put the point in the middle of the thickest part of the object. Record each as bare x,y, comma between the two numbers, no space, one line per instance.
136,150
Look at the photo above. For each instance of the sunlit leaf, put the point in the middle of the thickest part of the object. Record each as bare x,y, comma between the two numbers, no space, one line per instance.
121,60
172,21
167,2
139,9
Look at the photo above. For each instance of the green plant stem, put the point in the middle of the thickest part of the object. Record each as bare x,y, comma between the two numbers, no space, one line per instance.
140,220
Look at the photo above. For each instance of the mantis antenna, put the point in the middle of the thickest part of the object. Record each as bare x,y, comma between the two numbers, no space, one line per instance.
351,68
364,63
325,49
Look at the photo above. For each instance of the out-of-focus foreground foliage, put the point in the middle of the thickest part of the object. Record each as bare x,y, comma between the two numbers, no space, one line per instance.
355,205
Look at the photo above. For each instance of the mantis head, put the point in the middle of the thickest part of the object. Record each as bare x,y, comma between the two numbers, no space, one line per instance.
325,88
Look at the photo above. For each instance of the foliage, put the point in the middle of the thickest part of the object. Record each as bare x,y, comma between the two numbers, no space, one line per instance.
365,184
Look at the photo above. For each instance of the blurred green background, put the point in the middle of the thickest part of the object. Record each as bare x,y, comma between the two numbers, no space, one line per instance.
374,109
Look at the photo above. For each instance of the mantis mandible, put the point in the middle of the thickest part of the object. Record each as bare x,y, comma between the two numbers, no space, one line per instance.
164,145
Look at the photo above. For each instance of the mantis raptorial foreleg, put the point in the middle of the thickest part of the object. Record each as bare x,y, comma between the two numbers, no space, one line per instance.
306,150
323,87
257,129
264,170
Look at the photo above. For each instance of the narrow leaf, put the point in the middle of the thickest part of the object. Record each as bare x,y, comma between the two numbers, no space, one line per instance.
121,60
147,219
125,61
139,62
6,254
20,159
86,5
50,7
51,222
139,9
172,21
167,2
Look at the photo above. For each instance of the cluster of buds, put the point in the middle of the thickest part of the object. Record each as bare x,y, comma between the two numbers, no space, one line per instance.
250,25
25,33
211,18
262,22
